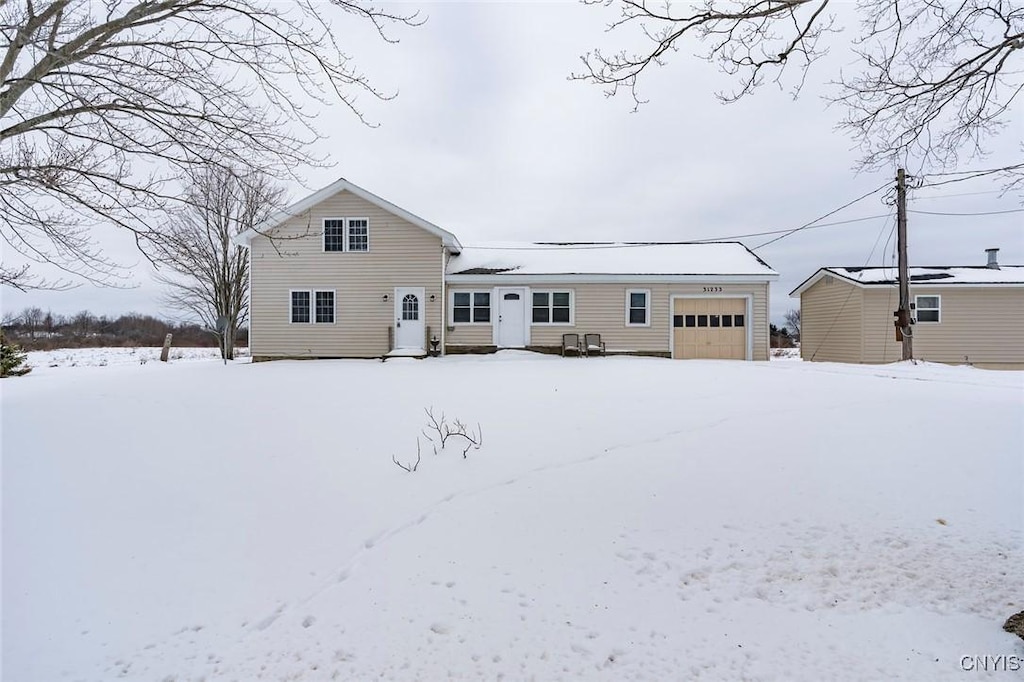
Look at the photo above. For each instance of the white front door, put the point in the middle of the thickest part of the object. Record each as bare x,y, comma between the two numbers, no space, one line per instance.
511,318
409,330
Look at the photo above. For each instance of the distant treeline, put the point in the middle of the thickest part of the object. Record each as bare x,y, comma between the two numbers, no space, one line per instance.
36,329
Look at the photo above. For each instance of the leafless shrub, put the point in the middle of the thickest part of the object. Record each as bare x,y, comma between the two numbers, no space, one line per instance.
409,467
473,440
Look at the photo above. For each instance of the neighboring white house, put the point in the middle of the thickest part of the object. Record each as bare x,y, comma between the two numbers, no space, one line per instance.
963,314
344,273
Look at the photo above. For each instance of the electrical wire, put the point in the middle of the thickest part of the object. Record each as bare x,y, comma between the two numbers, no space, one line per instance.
958,194
1012,210
832,212
849,294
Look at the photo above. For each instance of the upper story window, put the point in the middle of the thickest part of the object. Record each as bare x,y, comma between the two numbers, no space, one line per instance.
346,234
929,308
638,307
552,307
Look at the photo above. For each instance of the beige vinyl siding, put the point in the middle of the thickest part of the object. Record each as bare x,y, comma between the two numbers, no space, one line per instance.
400,255
601,308
830,321
880,344
979,325
475,335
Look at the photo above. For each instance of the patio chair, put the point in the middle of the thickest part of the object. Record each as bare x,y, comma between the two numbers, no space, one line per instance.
592,344
570,344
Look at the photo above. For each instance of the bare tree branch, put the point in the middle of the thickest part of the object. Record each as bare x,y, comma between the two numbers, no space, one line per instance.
208,274
104,105
935,78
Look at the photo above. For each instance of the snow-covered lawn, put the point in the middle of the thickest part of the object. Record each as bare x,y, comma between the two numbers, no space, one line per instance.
625,519
41,361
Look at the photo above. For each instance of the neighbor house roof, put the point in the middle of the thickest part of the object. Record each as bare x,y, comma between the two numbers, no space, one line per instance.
612,259
341,184
936,275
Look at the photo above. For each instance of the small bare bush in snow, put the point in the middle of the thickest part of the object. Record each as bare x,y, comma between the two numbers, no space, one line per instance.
439,431
412,466
472,440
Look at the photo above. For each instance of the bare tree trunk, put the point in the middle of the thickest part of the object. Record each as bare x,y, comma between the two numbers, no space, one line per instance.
207,276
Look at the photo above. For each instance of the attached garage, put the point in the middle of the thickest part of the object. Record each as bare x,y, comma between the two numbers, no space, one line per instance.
710,328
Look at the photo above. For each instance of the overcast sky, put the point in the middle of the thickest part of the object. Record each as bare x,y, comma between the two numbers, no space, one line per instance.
490,140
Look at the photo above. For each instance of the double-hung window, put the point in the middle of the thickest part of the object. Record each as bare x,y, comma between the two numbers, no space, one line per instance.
552,307
311,306
929,308
470,307
347,234
638,307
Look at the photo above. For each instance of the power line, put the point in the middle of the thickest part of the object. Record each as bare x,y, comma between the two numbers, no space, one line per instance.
833,212
1012,210
810,227
961,176
852,289
958,194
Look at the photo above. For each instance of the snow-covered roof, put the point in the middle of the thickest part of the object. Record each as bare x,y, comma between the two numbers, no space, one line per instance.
935,275
339,185
513,259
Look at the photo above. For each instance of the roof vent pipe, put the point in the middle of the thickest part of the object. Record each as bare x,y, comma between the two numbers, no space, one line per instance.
992,262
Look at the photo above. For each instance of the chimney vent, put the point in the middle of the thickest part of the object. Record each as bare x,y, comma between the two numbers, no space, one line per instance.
992,262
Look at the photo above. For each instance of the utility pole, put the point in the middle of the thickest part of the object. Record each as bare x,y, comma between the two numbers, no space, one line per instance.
904,332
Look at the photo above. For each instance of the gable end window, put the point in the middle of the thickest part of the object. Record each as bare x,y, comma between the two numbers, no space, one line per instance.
638,307
347,234
311,307
552,307
929,308
471,307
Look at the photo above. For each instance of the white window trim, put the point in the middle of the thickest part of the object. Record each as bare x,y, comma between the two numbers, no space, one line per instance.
312,306
346,222
472,307
551,300
647,307
917,308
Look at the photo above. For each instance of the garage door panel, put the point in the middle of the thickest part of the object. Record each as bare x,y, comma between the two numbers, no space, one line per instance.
710,328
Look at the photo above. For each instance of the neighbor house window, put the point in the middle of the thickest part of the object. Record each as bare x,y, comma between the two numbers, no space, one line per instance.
312,307
638,307
346,234
552,307
928,308
471,307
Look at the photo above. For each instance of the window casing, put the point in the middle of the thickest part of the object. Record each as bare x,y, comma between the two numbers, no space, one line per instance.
929,309
312,306
553,307
471,307
638,307
347,234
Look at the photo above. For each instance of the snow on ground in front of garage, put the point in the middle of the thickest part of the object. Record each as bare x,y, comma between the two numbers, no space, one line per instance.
624,519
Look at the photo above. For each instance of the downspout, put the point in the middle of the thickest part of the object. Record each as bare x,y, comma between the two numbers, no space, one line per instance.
444,297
